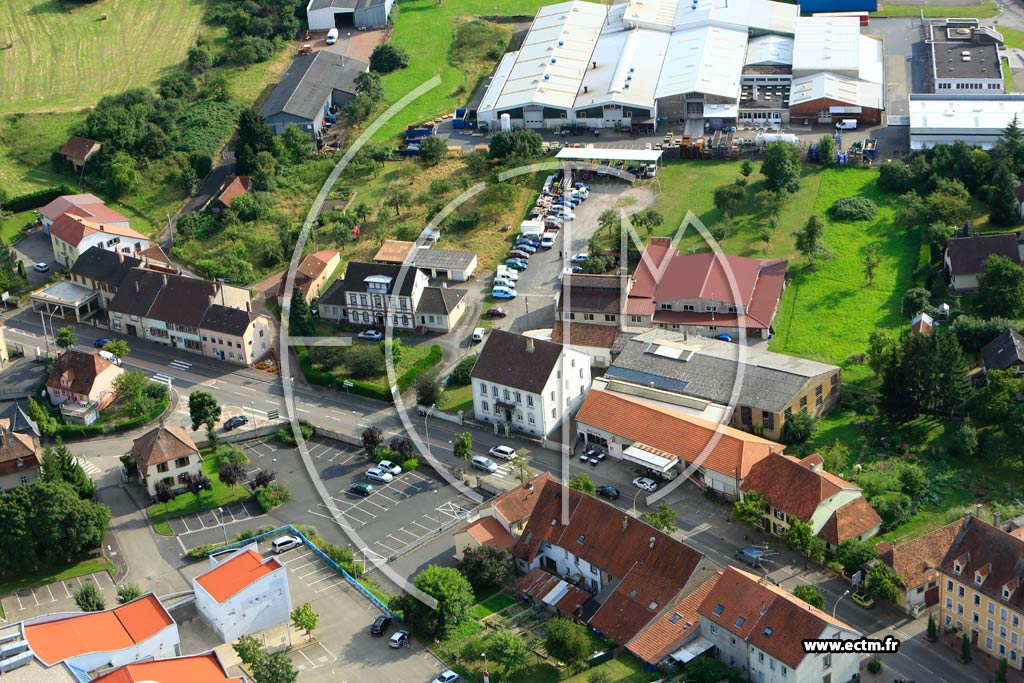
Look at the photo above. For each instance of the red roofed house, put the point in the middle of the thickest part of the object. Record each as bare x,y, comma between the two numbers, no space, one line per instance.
502,519
664,440
72,235
88,206
634,569
137,630
312,274
556,594
674,635
803,490
82,377
19,459
242,594
79,150
204,668
922,323
759,629
166,454
234,186
916,563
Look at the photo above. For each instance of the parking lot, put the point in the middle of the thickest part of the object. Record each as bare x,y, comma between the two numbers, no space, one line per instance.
56,597
243,511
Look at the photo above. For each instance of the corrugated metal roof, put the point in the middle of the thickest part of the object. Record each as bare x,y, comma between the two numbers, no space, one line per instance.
835,87
827,44
708,59
771,49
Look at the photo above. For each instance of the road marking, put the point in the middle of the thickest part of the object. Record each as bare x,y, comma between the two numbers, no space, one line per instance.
302,410
163,379
180,365
87,466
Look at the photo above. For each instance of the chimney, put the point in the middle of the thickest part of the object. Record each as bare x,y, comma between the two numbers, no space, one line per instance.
771,450
137,287
977,510
165,279
595,65
996,519
762,608
814,467
529,344
120,256
625,522
584,89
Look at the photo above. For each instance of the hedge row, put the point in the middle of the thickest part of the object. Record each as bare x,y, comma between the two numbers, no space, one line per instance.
76,431
359,387
34,200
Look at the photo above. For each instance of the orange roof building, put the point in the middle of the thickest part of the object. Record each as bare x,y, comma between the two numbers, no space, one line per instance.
675,627
136,630
234,186
204,668
71,235
917,563
242,594
393,251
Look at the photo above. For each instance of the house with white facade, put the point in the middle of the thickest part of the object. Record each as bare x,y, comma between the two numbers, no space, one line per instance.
798,489
166,454
82,377
374,295
135,631
243,593
72,235
526,384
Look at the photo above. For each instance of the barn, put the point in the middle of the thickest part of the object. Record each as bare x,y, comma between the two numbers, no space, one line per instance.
308,89
323,15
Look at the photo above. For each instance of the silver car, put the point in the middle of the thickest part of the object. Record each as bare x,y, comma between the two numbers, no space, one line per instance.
485,464
378,475
645,484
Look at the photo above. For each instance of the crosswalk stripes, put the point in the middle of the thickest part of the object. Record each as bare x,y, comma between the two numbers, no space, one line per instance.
87,466
163,379
180,365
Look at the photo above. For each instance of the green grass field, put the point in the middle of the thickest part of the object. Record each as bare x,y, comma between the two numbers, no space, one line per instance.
984,10
424,28
186,503
68,59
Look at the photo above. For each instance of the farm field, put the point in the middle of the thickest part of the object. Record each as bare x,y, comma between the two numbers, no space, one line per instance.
982,10
63,60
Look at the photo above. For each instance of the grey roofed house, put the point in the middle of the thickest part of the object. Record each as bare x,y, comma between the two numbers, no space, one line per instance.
308,88
226,320
513,360
137,292
357,272
14,420
967,255
100,265
443,258
707,369
1003,352
183,301
439,300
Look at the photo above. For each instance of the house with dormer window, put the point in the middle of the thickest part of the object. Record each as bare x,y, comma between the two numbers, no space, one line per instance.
980,589
82,377
374,295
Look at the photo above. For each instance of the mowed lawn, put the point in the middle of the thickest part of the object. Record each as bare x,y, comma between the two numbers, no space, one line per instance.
424,29
827,313
64,60
982,10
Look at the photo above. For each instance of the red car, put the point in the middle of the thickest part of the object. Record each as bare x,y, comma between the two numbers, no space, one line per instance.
518,253
496,312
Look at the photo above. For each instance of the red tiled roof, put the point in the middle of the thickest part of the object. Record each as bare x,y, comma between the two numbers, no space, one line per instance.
979,546
792,486
18,453
66,202
80,368
516,505
234,186
73,229
204,668
489,531
155,253
113,629
78,149
849,521
163,443
652,566
765,616
675,625
240,571
582,334
538,584
680,435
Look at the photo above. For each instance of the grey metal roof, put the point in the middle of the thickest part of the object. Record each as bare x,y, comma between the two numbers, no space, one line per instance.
18,421
1004,351
308,83
440,300
357,272
707,369
443,258
342,4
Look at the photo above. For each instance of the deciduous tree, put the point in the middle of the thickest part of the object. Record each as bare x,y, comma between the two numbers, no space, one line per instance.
583,483
305,618
568,642
203,409
750,509
810,595
781,167
485,566
664,518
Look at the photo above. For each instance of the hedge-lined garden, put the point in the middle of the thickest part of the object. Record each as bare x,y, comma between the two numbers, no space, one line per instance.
330,367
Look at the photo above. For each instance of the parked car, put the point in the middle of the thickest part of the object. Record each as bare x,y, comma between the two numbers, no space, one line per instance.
447,677
576,269
361,488
500,281
645,484
548,240
579,258
528,240
378,475
234,422
41,267
518,264
389,467
380,625
108,356
500,292
283,543
508,273
370,335
399,639
528,248
750,555
482,463
496,312
861,598
518,253
503,452
478,335
724,337
609,492
101,342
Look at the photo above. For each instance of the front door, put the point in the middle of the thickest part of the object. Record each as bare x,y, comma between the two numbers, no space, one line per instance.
132,332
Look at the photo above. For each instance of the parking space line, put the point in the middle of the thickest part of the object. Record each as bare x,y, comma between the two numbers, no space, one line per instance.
52,598
331,575
390,550
403,531
66,589
307,659
336,584
421,525
21,606
329,655
35,598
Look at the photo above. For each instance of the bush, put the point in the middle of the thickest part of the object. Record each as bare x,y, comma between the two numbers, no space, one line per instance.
272,495
387,58
34,200
875,666
286,437
462,371
853,209
88,598
410,464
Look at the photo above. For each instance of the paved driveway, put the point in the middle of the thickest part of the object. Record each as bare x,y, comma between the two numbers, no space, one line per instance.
36,248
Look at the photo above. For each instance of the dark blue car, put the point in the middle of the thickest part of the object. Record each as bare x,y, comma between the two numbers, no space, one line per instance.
101,342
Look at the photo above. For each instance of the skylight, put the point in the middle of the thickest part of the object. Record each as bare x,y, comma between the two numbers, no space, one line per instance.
675,617
739,622
719,609
767,632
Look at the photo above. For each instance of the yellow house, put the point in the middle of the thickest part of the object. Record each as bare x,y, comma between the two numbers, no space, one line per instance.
981,591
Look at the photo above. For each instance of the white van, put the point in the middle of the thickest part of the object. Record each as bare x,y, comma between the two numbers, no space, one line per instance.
108,356
847,124
478,334
332,36
284,543
548,240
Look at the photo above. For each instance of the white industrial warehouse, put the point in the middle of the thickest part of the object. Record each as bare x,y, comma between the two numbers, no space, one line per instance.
975,119
719,61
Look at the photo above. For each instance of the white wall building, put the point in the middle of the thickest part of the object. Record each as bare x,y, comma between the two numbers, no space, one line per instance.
977,119
528,384
242,594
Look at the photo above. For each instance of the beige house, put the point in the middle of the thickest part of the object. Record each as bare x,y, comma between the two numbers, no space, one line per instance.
441,309
82,377
502,520
312,274
917,563
19,459
166,454
235,335
72,235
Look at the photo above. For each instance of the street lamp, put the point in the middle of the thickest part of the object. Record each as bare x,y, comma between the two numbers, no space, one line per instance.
223,526
252,405
637,495
487,677
437,510
426,427
845,593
